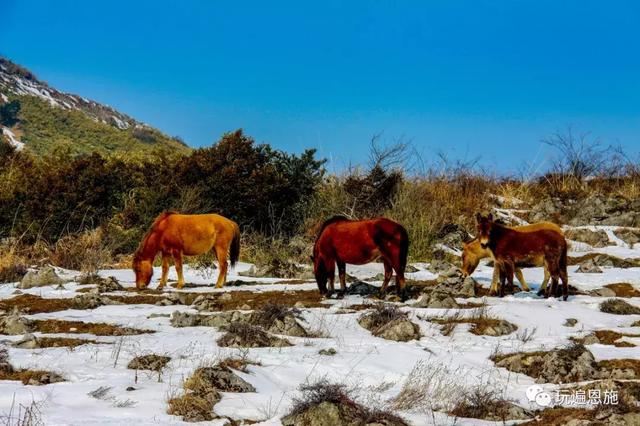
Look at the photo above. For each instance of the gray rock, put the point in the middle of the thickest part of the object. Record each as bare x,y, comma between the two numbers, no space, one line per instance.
13,324
362,288
629,236
328,352
28,341
149,362
597,238
589,267
570,322
500,328
399,330
39,278
603,292
436,300
222,379
289,326
92,301
619,307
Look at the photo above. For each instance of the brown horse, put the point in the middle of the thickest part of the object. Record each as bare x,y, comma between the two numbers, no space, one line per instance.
508,245
473,253
341,241
175,235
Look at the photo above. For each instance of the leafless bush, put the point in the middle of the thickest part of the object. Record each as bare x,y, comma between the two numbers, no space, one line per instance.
430,386
527,334
23,415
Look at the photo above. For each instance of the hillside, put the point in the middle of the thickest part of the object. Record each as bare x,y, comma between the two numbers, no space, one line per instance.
41,119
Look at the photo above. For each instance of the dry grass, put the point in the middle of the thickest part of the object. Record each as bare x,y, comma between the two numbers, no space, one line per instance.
53,326
272,312
191,408
238,363
240,334
85,252
623,290
382,314
480,319
257,300
621,364
65,342
30,304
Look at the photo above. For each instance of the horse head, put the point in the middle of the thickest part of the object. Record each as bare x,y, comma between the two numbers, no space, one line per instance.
485,224
143,269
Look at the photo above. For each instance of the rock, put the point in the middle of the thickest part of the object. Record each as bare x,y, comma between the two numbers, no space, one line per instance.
92,301
410,269
288,326
44,378
347,413
39,278
436,300
453,235
28,341
549,209
328,352
155,315
246,307
243,335
597,238
277,268
225,297
629,236
399,330
206,303
589,267
298,305
109,284
438,266
603,292
149,362
565,365
498,328
219,378
619,307
362,288
13,324
570,322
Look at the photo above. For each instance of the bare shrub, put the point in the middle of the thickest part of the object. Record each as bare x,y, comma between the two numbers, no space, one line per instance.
324,391
430,386
384,313
23,415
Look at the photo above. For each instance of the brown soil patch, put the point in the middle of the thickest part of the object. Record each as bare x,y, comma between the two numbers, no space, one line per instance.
623,290
31,304
561,416
52,326
62,342
257,300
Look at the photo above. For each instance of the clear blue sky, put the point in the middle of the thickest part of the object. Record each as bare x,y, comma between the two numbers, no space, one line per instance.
471,78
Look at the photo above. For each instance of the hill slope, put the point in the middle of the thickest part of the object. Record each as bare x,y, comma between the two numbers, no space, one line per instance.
48,119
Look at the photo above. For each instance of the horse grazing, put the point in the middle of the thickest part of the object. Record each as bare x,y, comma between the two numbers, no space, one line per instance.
341,241
509,245
175,235
473,253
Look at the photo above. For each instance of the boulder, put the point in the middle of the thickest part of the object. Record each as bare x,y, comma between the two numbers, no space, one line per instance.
629,236
149,362
564,365
597,238
362,288
39,278
399,330
28,341
219,378
603,292
288,326
13,324
589,267
436,300
619,307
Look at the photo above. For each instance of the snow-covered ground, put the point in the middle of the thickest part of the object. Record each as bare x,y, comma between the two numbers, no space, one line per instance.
376,366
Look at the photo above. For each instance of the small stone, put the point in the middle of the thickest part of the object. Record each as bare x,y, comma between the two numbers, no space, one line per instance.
246,307
328,352
39,278
570,322
130,388
226,297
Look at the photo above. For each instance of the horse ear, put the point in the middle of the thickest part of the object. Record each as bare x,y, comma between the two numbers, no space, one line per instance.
490,217
478,217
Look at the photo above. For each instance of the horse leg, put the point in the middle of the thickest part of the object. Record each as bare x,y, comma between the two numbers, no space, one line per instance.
388,273
565,283
342,275
177,259
221,254
331,275
493,291
165,270
509,267
520,277
545,280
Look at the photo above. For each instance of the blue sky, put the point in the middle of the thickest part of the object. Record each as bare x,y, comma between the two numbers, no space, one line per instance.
469,78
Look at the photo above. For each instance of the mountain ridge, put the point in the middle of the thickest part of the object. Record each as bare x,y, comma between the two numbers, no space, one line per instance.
49,118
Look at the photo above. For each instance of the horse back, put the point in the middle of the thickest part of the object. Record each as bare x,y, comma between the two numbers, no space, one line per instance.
524,244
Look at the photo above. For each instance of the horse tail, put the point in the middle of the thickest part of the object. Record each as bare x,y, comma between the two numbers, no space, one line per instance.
404,248
234,251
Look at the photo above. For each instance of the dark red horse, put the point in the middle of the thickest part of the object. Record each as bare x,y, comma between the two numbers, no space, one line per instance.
509,245
341,241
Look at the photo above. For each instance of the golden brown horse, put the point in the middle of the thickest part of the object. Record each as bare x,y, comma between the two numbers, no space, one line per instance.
473,253
175,235
341,241
509,245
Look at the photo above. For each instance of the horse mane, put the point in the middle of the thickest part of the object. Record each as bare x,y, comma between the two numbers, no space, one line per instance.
332,219
162,216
